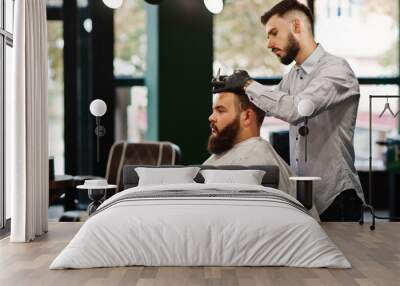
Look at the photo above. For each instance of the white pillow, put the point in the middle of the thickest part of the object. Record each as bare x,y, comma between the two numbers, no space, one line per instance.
248,177
163,176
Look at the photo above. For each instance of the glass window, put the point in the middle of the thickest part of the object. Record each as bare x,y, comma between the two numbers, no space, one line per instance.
9,9
56,94
240,40
8,80
55,3
382,127
131,114
130,39
363,32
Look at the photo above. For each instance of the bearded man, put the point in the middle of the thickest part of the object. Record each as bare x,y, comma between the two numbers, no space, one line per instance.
235,137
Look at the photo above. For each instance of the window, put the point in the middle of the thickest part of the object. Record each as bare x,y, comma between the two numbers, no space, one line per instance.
374,59
9,15
56,93
240,41
72,32
365,33
131,113
6,43
130,39
129,68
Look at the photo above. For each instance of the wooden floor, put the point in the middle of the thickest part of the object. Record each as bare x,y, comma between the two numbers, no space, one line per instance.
374,255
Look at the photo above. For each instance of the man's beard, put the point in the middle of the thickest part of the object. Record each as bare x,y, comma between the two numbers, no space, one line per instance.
223,140
291,50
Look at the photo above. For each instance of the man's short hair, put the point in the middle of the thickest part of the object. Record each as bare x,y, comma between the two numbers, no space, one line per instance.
285,6
245,103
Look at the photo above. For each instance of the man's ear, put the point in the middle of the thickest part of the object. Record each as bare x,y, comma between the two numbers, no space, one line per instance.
296,25
247,116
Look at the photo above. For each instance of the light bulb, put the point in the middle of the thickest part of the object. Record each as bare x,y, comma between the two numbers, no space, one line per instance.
305,107
214,6
98,107
114,4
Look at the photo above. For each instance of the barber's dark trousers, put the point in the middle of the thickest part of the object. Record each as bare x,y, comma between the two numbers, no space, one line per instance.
345,207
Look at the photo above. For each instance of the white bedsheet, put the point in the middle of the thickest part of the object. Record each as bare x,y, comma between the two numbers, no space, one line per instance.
200,231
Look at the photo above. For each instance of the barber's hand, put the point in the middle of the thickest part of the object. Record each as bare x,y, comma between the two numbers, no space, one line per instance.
233,83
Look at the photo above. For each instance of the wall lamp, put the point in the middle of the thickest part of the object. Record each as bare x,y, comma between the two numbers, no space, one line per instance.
98,108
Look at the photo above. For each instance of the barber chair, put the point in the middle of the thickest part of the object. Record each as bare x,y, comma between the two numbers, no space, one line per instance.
146,153
126,153
280,142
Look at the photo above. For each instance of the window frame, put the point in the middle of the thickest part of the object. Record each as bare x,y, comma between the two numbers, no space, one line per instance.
79,91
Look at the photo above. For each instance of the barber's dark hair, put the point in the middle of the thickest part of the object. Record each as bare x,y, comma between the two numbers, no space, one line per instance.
245,103
285,6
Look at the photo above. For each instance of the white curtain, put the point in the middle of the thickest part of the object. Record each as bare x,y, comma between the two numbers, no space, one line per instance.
26,123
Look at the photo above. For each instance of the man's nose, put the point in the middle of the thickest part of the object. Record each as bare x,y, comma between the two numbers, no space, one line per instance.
270,44
211,118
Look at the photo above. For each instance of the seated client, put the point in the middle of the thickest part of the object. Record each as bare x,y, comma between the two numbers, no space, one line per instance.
235,137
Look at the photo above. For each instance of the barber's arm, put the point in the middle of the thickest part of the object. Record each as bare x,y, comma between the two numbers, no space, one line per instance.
326,90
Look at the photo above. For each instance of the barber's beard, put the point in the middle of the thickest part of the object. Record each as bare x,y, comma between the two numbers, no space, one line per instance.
291,50
224,139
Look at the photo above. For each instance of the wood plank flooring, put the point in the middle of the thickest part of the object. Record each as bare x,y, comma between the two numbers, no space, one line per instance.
374,255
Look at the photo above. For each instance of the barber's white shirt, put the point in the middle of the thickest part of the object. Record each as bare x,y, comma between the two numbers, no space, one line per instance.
256,151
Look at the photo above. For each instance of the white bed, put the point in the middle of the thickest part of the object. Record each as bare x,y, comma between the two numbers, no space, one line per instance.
264,229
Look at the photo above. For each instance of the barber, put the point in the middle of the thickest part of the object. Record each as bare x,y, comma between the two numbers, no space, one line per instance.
329,82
